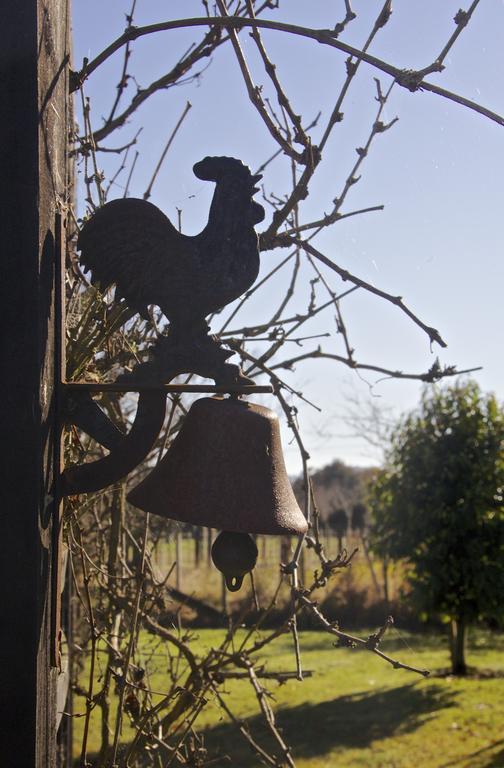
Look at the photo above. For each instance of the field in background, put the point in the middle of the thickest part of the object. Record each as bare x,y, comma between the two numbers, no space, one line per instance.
352,593
355,710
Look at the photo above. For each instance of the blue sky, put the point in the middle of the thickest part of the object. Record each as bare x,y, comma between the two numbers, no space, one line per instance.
438,171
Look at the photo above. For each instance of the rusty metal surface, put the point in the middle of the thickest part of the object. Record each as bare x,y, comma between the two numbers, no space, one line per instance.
82,411
126,455
234,555
225,470
127,451
132,244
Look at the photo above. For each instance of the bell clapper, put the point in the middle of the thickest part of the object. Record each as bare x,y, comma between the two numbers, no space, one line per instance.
235,555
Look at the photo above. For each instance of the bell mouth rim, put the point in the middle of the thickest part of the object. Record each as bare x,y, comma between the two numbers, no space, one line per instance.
298,527
218,474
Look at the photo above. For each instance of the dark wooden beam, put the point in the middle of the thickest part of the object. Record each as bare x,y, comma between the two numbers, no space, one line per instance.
34,189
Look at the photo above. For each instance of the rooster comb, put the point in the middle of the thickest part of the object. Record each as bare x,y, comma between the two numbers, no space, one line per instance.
216,168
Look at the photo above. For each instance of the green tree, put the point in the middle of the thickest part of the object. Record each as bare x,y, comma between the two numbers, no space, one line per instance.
439,505
338,521
359,518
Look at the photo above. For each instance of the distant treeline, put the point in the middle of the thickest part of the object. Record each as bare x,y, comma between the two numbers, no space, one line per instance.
338,486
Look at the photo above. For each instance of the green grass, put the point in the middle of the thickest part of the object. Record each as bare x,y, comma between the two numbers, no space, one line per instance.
356,710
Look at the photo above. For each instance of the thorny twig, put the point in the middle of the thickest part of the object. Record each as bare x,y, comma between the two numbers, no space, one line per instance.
432,333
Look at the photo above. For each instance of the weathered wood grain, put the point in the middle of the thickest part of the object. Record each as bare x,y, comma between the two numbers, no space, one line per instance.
34,189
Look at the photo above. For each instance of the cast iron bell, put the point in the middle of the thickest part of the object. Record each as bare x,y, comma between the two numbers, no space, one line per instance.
225,470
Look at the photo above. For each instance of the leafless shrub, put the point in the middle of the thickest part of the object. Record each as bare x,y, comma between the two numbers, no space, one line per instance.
121,598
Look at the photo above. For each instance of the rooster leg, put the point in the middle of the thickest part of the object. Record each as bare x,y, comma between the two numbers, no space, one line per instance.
213,356
184,333
188,350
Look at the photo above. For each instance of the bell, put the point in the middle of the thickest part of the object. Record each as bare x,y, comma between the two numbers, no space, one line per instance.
224,470
235,555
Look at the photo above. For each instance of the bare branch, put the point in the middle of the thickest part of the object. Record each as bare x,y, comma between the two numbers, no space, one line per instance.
168,144
435,372
432,333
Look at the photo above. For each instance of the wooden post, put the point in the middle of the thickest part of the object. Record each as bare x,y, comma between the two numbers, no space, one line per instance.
34,188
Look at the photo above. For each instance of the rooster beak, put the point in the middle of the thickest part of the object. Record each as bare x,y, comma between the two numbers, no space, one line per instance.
256,178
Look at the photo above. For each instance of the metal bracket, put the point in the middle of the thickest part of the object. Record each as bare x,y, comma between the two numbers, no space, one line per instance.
132,244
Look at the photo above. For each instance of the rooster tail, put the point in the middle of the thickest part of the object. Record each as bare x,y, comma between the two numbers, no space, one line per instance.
125,244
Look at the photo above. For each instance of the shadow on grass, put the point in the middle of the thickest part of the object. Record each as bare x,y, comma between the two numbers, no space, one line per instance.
496,761
348,722
481,758
313,730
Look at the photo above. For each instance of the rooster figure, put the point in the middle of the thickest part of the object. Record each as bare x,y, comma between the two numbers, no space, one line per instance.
132,244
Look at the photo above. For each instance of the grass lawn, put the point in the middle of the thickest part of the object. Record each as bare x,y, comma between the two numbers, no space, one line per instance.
356,710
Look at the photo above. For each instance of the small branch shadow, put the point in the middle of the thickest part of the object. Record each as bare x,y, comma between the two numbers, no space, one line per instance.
496,761
479,758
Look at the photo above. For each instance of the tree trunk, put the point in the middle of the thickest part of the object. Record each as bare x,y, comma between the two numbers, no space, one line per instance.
457,646
386,591
285,549
197,547
224,596
370,565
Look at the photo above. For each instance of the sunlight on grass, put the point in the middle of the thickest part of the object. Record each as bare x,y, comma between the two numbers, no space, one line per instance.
355,710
